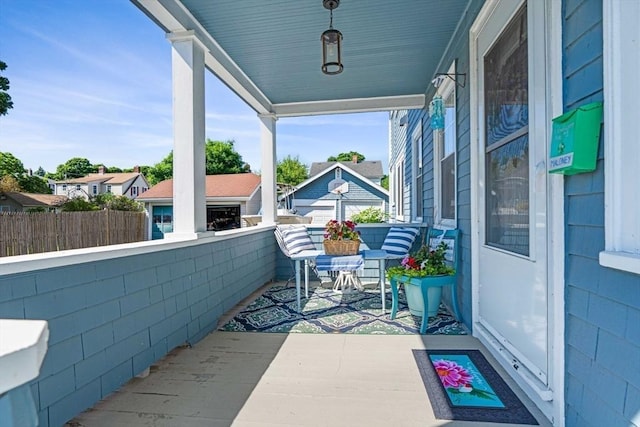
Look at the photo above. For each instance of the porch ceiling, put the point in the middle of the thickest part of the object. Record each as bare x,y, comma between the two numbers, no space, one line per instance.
269,52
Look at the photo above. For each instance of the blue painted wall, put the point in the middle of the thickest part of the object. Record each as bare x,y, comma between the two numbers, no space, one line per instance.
111,319
603,304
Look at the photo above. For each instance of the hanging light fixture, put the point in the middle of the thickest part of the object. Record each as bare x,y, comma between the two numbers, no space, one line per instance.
331,44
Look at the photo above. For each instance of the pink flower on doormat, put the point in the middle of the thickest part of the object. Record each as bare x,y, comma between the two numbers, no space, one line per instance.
451,374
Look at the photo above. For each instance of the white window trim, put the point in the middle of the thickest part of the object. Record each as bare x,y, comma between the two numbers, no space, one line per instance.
398,196
444,90
416,165
621,50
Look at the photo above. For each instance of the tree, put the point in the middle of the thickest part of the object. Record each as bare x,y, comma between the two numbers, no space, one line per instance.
346,157
5,99
79,204
73,168
107,169
161,171
384,182
40,172
33,184
291,171
223,158
117,203
10,165
9,183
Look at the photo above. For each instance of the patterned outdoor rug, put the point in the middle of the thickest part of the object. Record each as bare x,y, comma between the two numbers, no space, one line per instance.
462,385
329,312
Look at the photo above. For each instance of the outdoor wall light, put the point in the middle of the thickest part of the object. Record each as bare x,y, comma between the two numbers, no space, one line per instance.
331,44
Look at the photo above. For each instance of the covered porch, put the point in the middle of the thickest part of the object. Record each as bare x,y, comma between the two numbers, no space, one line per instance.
114,312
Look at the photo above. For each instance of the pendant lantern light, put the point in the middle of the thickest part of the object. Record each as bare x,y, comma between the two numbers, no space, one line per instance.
331,43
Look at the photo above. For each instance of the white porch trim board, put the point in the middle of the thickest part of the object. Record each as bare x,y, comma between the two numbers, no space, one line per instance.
187,63
268,145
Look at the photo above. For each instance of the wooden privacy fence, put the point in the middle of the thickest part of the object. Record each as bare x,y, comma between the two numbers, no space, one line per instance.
24,233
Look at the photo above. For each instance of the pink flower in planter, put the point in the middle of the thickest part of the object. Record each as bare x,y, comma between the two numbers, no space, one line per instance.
451,374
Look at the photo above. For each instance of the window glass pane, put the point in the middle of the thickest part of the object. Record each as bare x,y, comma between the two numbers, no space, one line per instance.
506,82
448,201
420,196
507,198
449,125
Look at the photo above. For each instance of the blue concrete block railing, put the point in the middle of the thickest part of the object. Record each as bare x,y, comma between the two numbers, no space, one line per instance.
114,311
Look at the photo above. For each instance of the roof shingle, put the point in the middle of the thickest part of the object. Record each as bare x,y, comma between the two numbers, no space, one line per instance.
368,169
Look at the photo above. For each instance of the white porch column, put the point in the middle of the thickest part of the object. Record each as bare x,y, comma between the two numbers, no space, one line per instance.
268,143
189,204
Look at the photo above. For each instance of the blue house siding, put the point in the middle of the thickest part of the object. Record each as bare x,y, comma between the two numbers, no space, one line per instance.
358,189
111,319
603,305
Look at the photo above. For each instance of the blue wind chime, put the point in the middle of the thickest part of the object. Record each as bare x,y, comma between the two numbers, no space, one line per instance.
436,112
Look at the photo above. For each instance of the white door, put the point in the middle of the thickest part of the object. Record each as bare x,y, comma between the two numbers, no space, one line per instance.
512,290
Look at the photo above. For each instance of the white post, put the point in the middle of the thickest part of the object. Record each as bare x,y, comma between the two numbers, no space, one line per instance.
268,143
189,204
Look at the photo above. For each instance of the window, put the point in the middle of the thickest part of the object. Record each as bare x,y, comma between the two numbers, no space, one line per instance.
108,188
506,104
621,50
78,187
134,191
64,187
417,196
444,156
94,189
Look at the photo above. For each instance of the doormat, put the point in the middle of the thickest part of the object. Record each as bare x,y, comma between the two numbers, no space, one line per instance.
326,311
462,385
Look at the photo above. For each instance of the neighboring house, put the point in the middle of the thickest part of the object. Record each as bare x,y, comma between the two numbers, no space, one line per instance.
372,170
25,202
228,196
551,263
129,184
338,191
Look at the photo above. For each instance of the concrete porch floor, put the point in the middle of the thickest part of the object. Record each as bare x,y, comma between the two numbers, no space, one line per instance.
265,379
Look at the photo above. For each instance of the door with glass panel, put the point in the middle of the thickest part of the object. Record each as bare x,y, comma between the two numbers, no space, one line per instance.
512,291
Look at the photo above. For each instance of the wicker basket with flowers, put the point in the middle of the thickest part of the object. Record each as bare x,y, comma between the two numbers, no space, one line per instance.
341,238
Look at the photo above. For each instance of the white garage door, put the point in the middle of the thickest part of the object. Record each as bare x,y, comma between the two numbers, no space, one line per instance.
320,214
351,208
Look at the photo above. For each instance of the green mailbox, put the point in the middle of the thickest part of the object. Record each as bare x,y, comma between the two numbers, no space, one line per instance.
574,140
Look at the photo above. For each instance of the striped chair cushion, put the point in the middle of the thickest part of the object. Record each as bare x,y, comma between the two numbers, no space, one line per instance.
297,239
399,241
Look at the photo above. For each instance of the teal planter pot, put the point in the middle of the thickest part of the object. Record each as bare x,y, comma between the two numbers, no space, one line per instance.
416,303
419,288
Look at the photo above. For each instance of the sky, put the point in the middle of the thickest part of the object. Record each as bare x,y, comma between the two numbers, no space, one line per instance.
92,79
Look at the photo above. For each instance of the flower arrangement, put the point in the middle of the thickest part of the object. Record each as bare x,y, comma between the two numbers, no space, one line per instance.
341,230
425,262
341,238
